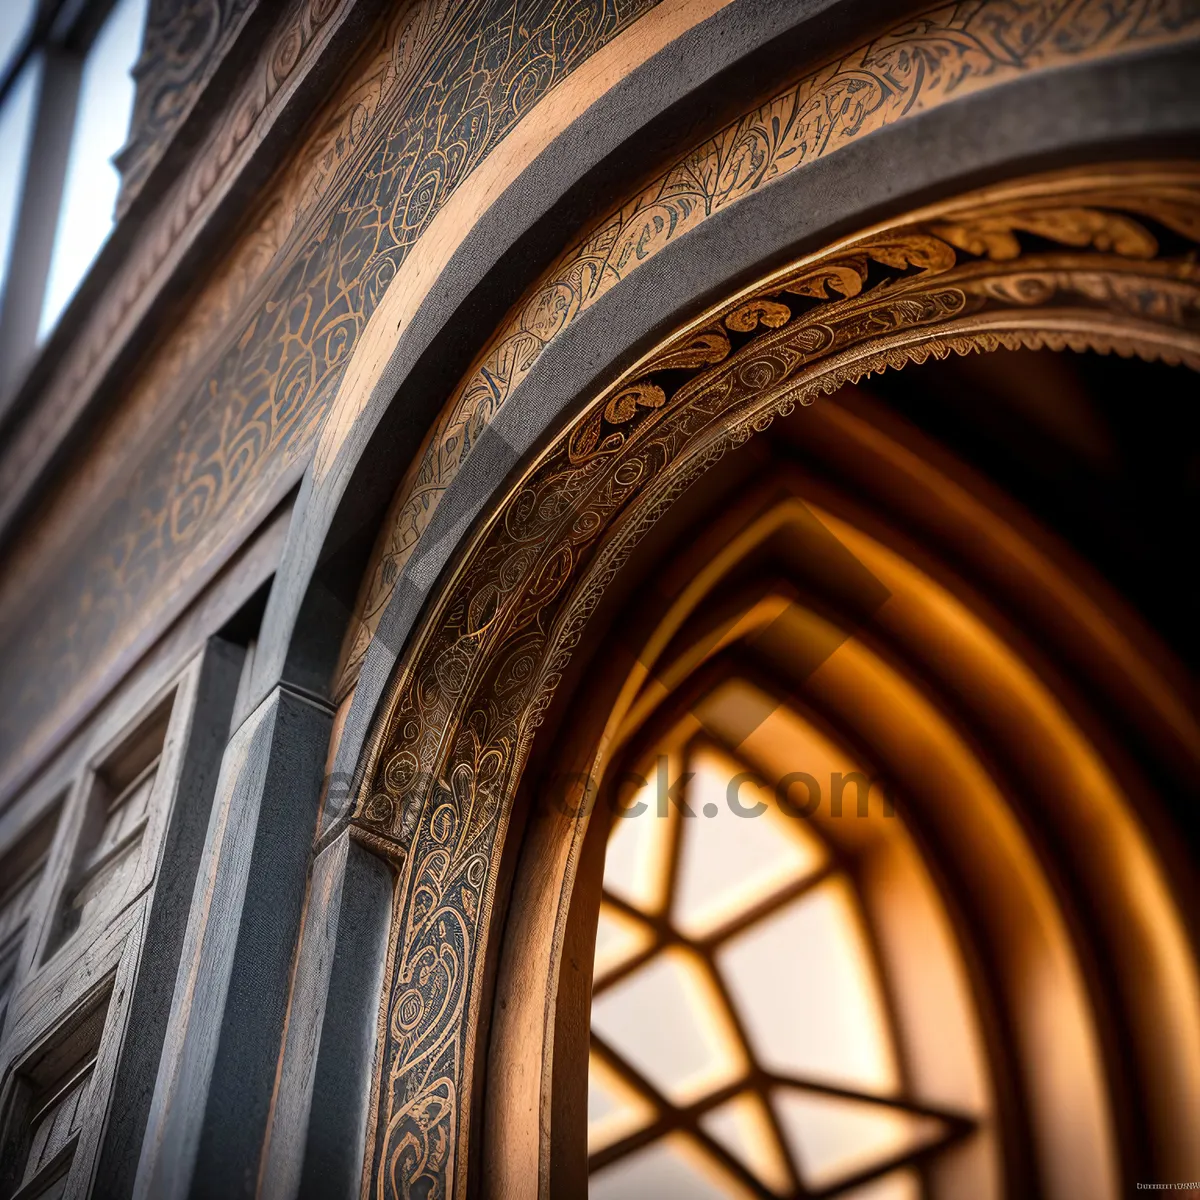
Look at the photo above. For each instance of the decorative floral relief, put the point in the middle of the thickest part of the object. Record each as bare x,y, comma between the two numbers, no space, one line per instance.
184,43
261,352
1074,263
926,61
155,253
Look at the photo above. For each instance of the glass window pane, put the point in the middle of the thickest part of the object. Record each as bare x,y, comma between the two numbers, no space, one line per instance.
667,1021
615,1108
898,1185
834,1137
619,937
16,16
730,861
635,866
673,1169
101,126
16,122
742,1127
804,984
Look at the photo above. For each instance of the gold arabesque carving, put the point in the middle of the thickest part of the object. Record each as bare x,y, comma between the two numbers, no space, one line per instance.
921,63
225,413
1100,259
220,418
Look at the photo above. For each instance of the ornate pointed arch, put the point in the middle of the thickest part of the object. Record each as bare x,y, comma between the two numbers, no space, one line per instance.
1101,259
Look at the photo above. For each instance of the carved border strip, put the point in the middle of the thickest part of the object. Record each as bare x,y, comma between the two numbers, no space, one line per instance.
1075,260
926,61
183,45
229,408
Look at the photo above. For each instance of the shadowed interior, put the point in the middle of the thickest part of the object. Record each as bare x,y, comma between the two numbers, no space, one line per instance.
882,886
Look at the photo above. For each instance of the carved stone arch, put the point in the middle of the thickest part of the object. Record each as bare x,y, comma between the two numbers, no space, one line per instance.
1101,259
1006,97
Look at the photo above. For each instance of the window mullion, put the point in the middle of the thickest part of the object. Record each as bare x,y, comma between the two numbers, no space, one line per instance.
37,219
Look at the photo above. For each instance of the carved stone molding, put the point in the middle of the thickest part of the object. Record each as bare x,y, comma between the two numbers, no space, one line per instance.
923,62
217,420
173,227
184,44
1090,259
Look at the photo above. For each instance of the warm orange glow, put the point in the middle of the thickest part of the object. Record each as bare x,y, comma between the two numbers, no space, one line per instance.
920,728
750,989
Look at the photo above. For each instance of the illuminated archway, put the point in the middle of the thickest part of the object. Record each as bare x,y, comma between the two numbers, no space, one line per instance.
1061,261
831,667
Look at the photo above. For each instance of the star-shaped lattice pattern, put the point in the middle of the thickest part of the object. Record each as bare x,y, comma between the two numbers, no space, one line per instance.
741,1040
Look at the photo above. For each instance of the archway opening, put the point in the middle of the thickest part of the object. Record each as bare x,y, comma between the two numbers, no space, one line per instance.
902,606
881,835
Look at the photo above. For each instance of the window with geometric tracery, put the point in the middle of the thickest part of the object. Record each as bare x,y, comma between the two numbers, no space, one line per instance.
742,1038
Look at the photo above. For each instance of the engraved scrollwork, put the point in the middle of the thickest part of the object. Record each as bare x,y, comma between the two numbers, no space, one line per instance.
995,235
515,606
247,386
250,370
768,312
840,278
705,347
181,48
927,60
